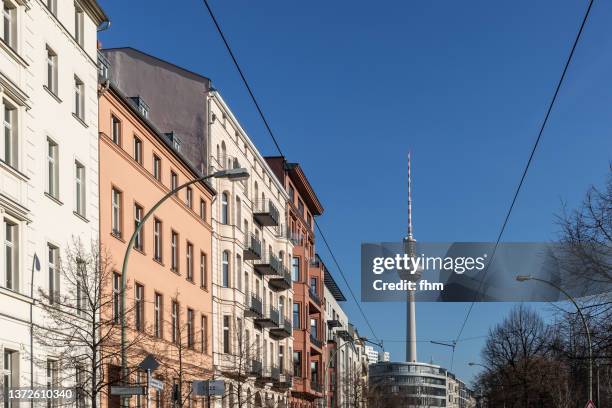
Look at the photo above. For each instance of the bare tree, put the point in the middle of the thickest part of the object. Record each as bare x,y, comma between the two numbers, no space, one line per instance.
80,321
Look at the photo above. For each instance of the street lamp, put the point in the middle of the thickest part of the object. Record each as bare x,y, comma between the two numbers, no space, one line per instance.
230,174
523,278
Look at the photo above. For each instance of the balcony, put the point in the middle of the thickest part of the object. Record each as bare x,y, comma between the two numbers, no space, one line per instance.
315,341
252,248
285,380
268,265
283,330
343,334
333,323
270,374
281,280
265,213
316,386
255,308
269,320
255,368
296,238
314,297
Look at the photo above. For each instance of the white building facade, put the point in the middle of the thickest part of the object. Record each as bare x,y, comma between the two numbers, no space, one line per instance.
252,287
48,163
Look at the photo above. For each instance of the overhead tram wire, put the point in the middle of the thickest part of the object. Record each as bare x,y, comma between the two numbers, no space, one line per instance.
280,152
528,164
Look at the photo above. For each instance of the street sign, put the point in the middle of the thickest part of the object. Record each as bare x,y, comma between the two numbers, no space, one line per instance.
155,383
149,363
127,390
590,404
211,387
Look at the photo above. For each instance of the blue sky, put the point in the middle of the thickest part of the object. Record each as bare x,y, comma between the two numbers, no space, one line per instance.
350,87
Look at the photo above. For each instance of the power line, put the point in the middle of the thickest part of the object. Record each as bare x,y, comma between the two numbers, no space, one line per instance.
527,166
267,125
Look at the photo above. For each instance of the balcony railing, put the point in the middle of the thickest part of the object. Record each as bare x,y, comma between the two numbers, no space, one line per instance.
255,367
285,379
314,340
252,248
314,297
296,238
283,330
268,265
281,280
265,212
271,319
255,308
316,386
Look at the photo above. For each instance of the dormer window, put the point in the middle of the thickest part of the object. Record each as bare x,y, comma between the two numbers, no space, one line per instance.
141,105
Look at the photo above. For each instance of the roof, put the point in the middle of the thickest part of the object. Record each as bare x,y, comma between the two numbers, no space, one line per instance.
296,174
331,284
92,8
133,50
160,135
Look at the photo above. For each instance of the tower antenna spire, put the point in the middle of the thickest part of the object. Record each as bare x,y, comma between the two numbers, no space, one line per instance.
409,200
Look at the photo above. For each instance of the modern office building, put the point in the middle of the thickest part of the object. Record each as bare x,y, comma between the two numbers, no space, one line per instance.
169,290
372,354
48,167
384,356
307,272
251,252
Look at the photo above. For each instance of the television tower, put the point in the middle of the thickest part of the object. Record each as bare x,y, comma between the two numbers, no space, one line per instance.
410,250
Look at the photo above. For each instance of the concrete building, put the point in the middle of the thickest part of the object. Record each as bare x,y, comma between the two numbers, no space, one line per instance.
371,354
307,272
169,293
48,165
345,385
251,253
385,356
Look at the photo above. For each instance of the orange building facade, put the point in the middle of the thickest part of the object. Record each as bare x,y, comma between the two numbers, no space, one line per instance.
309,327
168,295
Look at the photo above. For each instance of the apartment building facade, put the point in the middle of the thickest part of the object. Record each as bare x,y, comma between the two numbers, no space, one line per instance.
169,283
252,290
307,273
48,166
344,386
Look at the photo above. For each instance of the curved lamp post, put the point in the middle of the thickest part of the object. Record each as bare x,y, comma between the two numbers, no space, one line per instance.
231,174
523,278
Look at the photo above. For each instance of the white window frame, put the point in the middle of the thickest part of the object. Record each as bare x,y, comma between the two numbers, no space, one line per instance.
52,62
53,269
9,26
79,26
79,98
10,279
80,189
10,132
157,239
116,210
52,168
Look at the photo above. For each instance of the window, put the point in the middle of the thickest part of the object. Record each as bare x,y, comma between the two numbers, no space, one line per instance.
295,269
138,214
202,209
297,364
157,323
238,212
224,209
52,169
291,194
52,380
296,316
137,150
173,181
52,6
8,147
190,331
226,334
203,271
300,207
116,130
313,328
156,167
51,71
10,24
225,269
174,252
175,321
204,334
139,307
313,285
79,188
314,371
189,197
238,272
189,259
78,25
11,256
116,297
116,218
157,240
54,278
79,98
10,375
